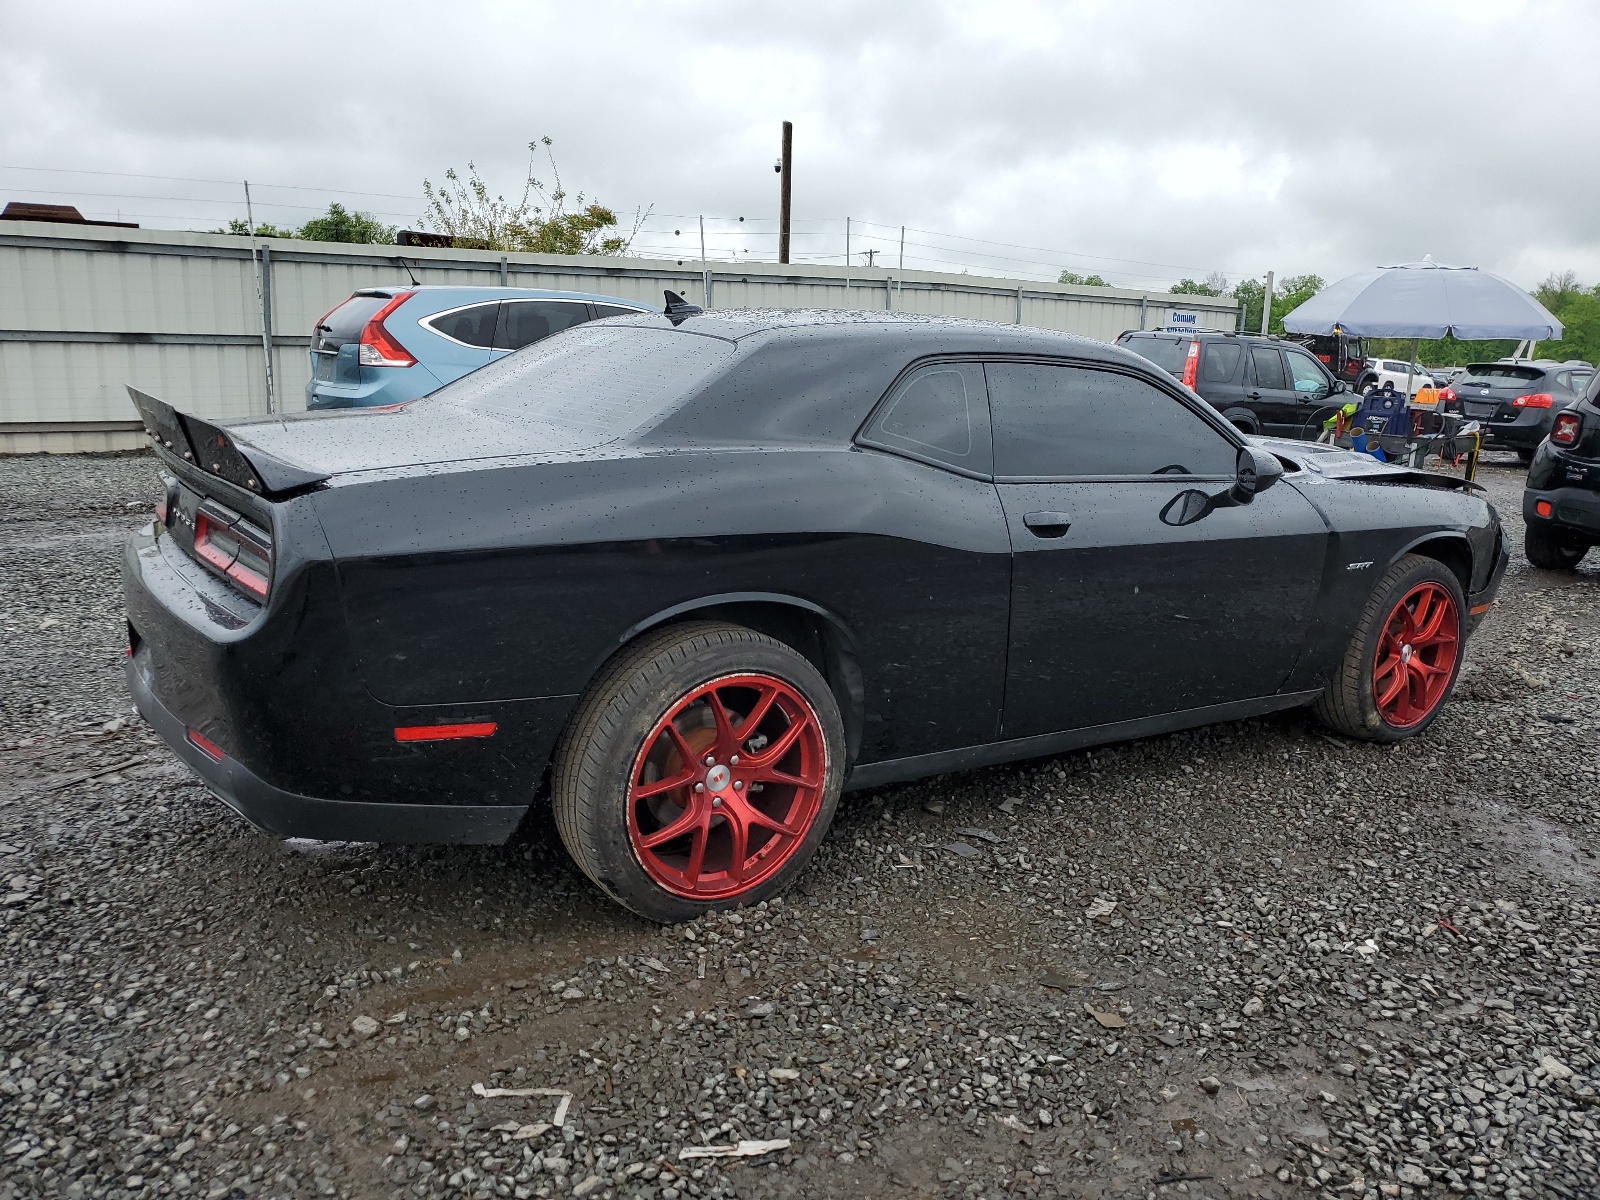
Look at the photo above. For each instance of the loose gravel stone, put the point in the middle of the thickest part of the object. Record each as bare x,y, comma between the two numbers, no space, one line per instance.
1384,959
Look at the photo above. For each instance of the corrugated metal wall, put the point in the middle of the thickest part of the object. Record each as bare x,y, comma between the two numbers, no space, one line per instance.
86,310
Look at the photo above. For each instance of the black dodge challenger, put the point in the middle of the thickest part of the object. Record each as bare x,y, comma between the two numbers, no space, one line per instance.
689,576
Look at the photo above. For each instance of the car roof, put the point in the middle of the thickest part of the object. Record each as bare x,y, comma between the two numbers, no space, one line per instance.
453,294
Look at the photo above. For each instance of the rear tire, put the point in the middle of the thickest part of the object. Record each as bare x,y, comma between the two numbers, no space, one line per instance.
1550,550
1403,657
1525,457
679,705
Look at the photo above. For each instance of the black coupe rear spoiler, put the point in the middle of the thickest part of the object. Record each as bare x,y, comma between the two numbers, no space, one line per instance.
216,451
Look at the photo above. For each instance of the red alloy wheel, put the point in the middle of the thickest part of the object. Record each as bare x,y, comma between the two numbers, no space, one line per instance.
1416,655
726,786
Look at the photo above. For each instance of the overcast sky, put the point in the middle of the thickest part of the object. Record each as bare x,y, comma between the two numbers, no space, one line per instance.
1142,141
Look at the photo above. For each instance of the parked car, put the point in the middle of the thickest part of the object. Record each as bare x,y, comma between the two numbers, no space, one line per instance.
1393,373
388,345
1443,376
1517,402
1561,499
1342,354
1263,385
703,572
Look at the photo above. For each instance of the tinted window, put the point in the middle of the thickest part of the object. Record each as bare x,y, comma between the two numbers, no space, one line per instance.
1580,381
1266,367
591,384
613,310
474,326
1500,374
938,412
1219,362
1307,373
345,323
1166,353
523,322
1058,420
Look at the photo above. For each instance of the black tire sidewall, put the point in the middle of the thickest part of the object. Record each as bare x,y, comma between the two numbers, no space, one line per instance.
616,866
1407,574
1558,552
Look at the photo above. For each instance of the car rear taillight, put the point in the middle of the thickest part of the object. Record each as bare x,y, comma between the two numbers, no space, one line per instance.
1534,400
1191,365
1566,429
378,346
1448,395
235,549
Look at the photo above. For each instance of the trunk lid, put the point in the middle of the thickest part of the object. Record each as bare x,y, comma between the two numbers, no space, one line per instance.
1487,390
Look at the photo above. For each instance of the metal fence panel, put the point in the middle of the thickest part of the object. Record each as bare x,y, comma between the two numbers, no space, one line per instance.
85,310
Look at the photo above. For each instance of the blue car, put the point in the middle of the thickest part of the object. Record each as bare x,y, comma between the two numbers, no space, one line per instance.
389,345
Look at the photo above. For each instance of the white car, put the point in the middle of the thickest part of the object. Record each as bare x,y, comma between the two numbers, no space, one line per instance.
1380,371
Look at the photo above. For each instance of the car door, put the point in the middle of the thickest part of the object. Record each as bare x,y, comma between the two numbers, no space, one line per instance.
1220,382
1124,602
1267,392
1313,393
523,322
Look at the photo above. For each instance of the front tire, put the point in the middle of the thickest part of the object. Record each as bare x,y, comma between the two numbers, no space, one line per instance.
1403,657
700,772
1549,550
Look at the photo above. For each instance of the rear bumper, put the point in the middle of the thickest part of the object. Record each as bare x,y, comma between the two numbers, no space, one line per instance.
1530,428
1575,509
288,814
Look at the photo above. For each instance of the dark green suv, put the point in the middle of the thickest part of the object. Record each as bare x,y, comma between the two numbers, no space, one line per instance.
1264,385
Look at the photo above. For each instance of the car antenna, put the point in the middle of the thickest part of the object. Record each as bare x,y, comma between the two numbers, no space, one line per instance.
679,309
409,274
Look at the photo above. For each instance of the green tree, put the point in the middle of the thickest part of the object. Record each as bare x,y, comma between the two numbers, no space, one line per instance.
340,225
539,223
1214,284
239,227
1084,280
1287,296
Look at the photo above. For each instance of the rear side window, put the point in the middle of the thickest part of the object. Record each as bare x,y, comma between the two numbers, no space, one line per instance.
1166,353
1266,367
938,412
524,322
612,310
345,323
1052,421
471,326
1219,362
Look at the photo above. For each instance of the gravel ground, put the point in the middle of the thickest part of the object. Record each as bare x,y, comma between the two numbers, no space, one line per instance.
1252,960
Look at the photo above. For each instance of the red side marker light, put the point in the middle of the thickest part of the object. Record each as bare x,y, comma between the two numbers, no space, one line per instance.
444,733
1542,507
204,744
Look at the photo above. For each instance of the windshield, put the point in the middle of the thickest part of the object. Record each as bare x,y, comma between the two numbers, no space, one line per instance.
1168,353
1499,374
594,384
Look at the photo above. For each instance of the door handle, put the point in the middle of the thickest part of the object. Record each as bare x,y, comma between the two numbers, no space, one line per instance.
1252,395
1048,524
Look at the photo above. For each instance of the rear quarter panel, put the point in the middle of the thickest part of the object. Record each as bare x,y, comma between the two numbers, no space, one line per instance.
520,581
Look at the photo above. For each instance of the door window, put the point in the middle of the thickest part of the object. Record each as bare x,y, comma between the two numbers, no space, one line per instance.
1052,421
1266,368
1307,373
1220,361
938,412
471,326
523,322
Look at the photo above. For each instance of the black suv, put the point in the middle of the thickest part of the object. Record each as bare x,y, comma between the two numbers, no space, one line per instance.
1264,385
1561,500
1517,402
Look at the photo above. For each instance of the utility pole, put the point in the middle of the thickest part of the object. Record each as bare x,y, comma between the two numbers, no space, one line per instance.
847,262
872,257
263,295
1266,305
902,247
785,190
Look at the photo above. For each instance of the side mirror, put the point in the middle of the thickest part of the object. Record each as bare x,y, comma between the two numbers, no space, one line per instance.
1339,385
1257,471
